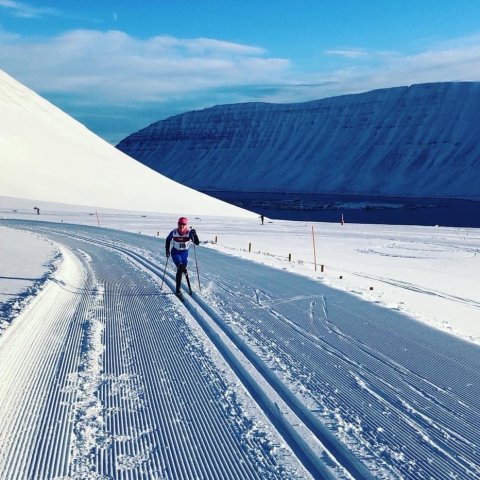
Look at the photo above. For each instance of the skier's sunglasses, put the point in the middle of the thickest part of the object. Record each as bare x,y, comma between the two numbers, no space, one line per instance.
183,224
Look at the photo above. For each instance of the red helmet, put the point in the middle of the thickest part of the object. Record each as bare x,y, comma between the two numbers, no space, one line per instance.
183,221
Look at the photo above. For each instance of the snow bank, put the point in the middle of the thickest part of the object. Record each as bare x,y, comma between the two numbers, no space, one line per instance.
27,261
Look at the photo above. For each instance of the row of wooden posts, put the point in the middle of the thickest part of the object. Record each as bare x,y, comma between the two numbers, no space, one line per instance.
322,267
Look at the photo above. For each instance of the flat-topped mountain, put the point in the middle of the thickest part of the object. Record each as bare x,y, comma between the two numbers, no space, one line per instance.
422,140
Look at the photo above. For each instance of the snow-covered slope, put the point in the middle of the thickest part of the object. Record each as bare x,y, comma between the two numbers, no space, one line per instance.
46,155
410,141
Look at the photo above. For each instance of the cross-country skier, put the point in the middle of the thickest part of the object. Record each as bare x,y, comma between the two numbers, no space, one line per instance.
180,238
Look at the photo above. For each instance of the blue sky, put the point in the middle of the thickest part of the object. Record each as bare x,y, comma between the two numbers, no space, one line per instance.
118,66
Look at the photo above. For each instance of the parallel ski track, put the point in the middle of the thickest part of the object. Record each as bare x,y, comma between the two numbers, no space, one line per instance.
421,427
337,450
106,411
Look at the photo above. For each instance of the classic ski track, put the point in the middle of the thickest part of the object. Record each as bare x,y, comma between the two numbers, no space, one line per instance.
415,420
412,420
451,408
86,406
425,392
336,449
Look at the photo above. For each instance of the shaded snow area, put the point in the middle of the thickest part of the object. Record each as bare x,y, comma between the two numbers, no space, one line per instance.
26,261
269,370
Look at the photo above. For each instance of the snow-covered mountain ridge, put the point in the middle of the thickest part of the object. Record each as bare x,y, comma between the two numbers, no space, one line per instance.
420,140
46,155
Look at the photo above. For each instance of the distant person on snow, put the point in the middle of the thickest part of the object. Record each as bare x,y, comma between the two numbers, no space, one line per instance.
180,238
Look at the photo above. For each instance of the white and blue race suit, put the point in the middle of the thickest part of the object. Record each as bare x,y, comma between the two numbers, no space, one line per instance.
179,245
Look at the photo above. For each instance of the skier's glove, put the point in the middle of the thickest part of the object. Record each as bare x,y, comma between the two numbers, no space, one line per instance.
194,237
167,253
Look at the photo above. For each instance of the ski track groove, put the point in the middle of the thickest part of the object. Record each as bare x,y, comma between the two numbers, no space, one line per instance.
176,432
404,418
352,363
465,445
265,302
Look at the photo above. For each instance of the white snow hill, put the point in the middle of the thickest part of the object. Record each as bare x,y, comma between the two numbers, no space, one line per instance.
47,155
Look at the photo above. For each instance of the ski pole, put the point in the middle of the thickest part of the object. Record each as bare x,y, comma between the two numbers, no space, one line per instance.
188,282
164,272
196,264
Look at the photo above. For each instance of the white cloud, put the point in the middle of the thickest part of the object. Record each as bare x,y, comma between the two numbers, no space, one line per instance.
205,45
115,66
348,52
23,10
363,70
459,63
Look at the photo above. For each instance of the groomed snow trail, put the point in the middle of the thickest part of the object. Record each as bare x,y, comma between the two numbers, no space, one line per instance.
33,413
104,377
403,398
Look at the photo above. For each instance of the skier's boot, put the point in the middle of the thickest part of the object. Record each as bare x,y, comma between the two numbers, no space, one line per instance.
178,280
179,296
